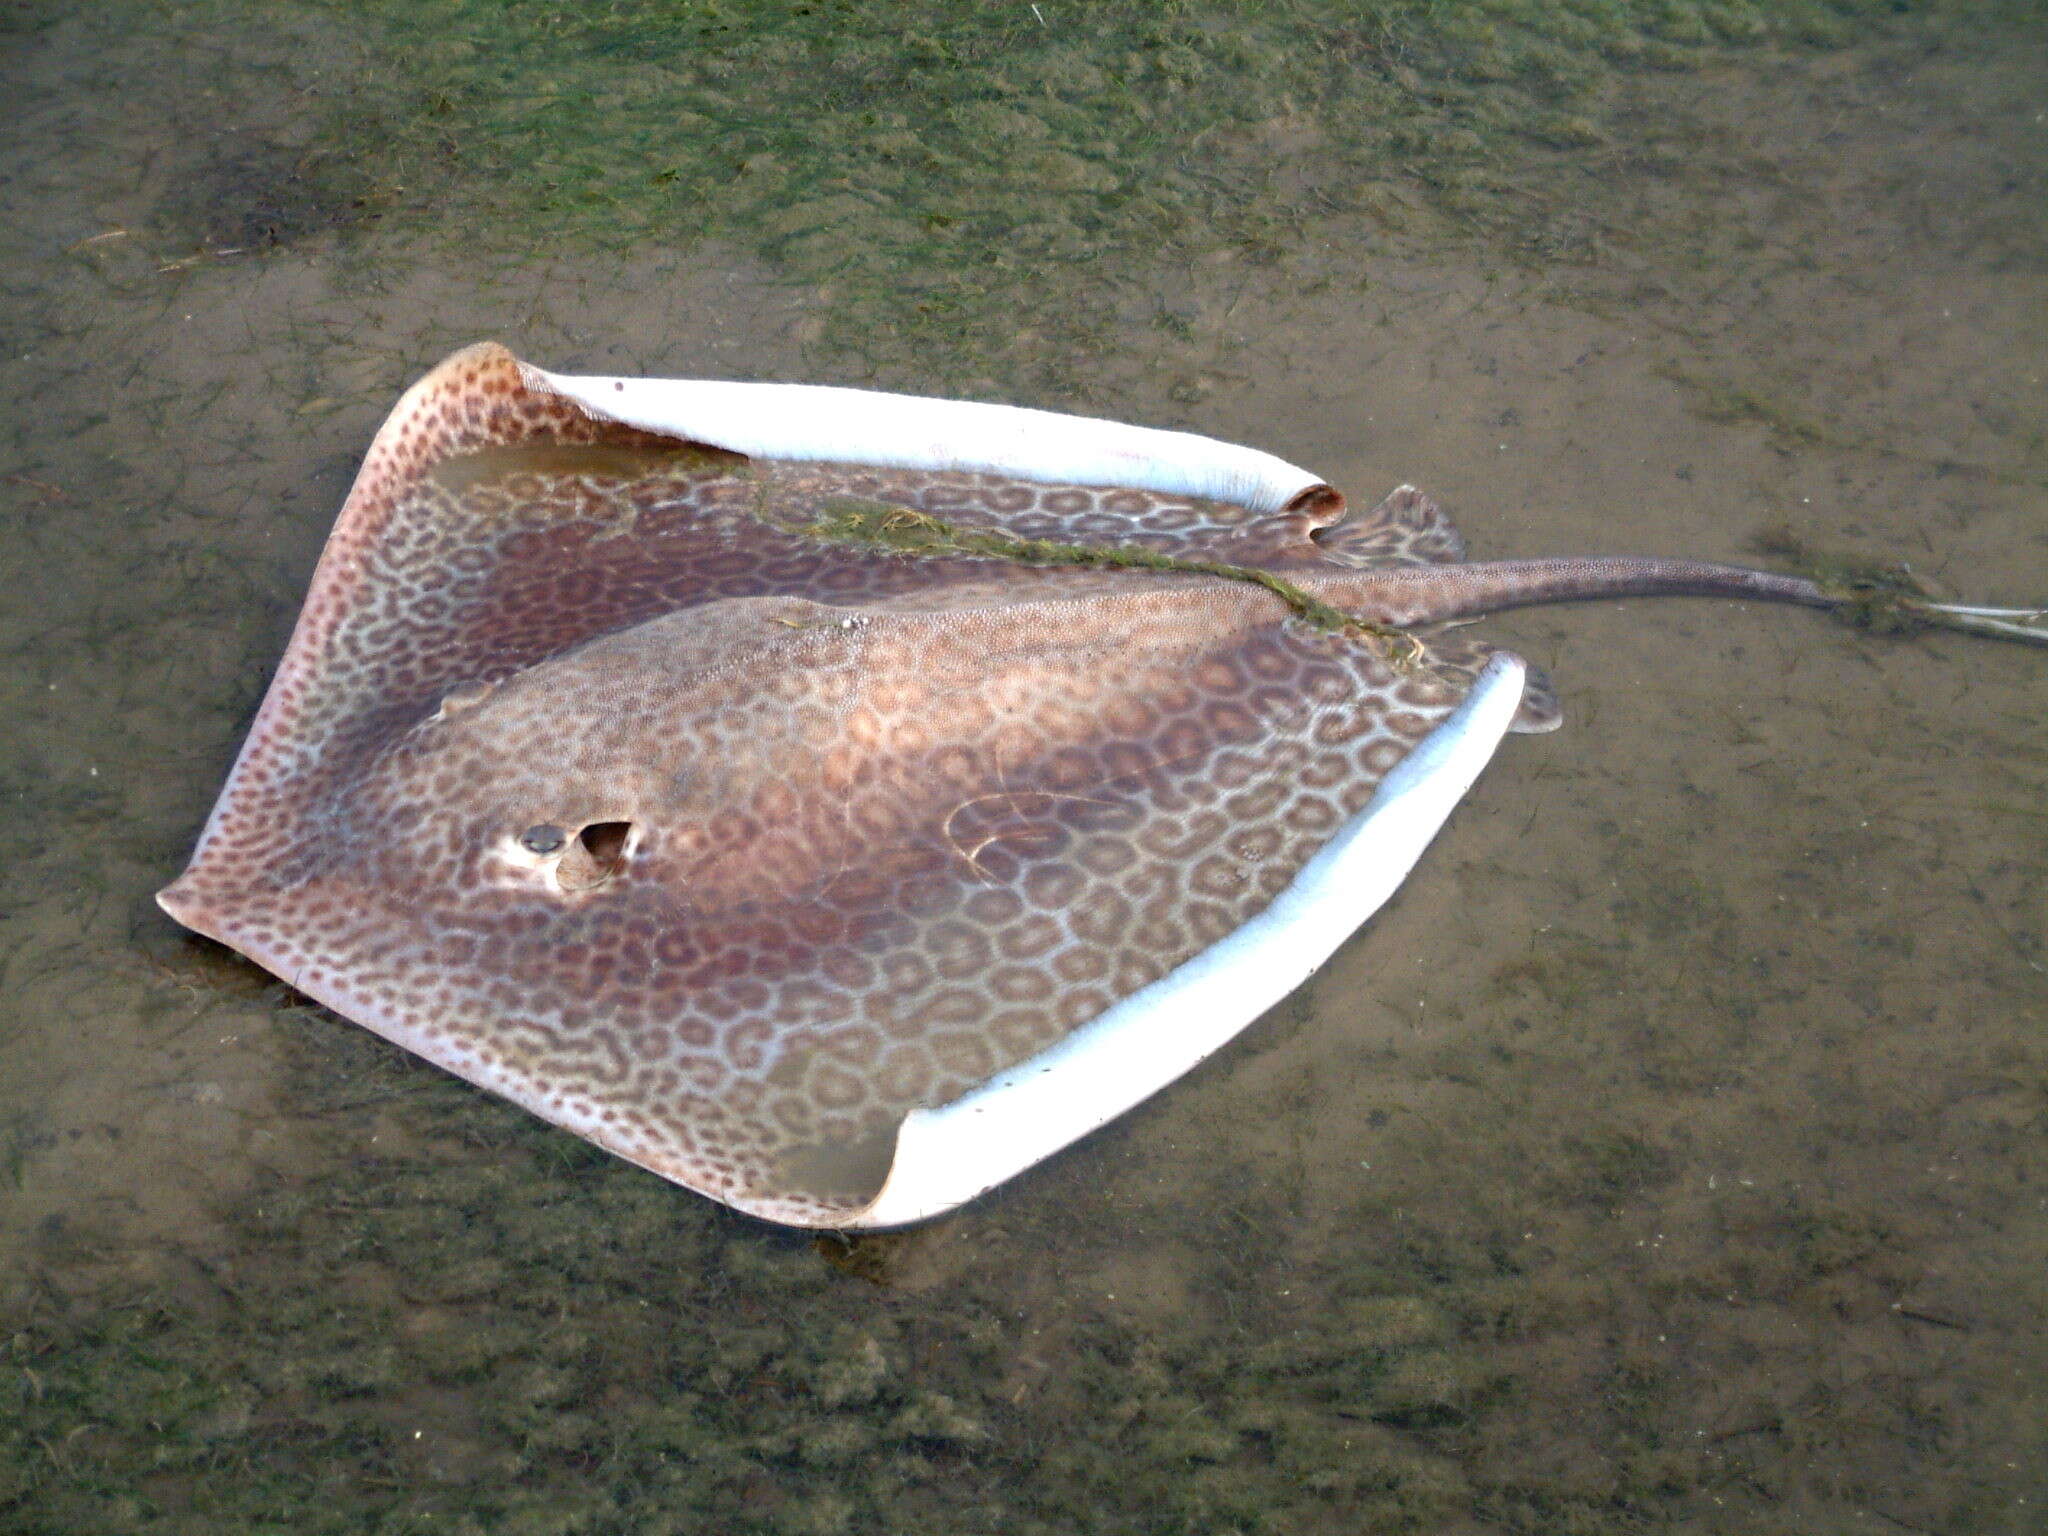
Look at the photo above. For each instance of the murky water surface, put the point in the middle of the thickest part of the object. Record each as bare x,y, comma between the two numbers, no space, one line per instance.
1669,1155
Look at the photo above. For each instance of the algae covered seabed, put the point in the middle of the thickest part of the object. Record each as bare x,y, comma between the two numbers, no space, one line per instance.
1668,1156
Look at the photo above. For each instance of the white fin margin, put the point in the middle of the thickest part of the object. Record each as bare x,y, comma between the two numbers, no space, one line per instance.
945,1157
859,426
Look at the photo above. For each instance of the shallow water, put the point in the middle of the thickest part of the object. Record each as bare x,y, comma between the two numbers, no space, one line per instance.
1668,1155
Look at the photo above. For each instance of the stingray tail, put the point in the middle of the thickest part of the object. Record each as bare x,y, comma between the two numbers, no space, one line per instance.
1886,601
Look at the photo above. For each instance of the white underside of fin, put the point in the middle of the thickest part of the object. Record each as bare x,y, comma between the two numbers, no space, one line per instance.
945,1157
822,423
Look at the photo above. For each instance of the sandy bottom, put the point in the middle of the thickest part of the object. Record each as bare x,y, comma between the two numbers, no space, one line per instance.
1668,1154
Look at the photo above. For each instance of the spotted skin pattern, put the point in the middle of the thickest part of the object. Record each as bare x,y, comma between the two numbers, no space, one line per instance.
592,777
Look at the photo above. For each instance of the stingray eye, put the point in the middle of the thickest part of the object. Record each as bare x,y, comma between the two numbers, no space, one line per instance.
543,839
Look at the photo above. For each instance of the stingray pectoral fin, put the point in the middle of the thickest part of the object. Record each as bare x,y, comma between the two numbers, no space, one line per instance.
818,422
947,1156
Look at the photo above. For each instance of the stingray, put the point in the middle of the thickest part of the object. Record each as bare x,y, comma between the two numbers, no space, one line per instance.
838,802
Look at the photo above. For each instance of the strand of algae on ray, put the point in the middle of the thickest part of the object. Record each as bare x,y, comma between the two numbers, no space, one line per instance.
904,531
1867,594
1894,600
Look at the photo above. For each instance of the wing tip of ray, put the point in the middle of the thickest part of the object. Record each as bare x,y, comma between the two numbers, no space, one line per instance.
430,419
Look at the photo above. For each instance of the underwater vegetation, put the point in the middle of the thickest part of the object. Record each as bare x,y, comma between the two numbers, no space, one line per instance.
936,171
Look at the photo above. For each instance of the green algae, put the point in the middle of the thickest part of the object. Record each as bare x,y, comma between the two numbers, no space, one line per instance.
464,1333
902,531
457,1335
955,184
1883,598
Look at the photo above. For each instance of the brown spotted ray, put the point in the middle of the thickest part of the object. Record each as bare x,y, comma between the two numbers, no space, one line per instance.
838,802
